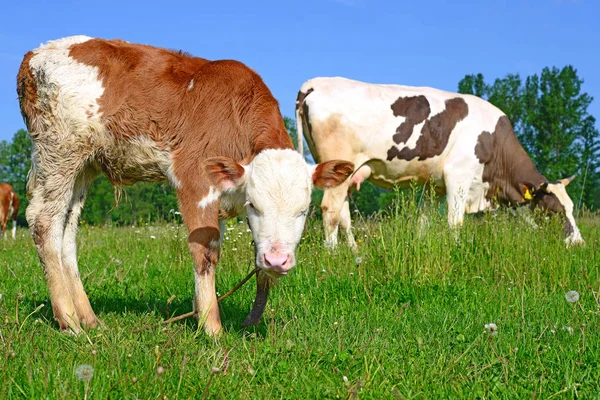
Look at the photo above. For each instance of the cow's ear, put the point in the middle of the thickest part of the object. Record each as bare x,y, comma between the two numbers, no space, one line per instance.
527,190
332,173
224,173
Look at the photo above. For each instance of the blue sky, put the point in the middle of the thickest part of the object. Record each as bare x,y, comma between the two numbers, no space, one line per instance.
420,43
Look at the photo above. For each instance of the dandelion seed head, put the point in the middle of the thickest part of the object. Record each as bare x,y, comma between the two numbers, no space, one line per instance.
572,296
568,329
491,328
84,372
358,260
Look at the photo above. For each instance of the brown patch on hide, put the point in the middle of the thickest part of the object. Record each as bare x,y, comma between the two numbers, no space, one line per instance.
415,109
435,133
27,92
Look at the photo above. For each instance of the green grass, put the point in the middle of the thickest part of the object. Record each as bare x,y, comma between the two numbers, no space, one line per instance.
405,320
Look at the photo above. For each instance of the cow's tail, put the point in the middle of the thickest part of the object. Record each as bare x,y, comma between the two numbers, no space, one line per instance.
300,116
299,129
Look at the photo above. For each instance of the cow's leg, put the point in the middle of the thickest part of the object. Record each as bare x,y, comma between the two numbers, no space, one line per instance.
201,219
331,207
46,216
458,182
69,250
3,222
346,224
14,229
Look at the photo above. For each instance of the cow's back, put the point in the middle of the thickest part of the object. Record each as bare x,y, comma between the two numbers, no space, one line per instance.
387,126
135,109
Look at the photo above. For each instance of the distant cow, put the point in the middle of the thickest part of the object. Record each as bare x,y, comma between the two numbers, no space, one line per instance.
398,134
140,113
9,208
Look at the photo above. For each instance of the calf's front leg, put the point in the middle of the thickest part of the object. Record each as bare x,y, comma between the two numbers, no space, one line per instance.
204,246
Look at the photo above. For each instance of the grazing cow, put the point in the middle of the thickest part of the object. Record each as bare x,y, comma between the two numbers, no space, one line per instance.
398,134
140,113
9,208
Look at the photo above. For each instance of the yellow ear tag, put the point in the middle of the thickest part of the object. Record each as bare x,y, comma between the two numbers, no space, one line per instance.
528,195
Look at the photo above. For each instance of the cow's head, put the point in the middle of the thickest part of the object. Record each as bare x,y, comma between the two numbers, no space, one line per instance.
552,198
277,186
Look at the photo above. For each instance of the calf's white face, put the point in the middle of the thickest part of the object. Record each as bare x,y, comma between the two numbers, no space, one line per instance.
277,186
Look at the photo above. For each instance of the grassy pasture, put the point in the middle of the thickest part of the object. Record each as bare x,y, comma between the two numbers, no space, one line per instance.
402,319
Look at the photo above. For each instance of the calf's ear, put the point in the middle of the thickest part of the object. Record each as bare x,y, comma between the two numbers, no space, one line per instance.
224,173
330,174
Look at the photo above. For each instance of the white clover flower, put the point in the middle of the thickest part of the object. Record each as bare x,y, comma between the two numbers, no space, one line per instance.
572,296
152,237
84,372
491,328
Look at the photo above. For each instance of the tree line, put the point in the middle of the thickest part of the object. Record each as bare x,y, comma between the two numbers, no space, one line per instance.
548,112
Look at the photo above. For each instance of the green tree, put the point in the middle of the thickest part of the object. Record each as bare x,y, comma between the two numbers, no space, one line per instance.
473,84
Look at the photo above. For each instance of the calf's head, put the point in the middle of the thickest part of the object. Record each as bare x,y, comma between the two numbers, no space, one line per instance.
552,197
277,186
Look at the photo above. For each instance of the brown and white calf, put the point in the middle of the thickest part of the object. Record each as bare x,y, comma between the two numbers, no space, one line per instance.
400,134
140,113
9,208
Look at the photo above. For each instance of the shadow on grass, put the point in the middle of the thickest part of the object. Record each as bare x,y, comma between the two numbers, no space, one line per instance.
233,312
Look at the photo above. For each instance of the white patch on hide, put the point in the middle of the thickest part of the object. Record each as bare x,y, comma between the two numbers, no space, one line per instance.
212,196
171,175
70,88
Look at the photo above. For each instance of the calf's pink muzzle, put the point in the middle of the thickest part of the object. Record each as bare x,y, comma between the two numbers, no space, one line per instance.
278,262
